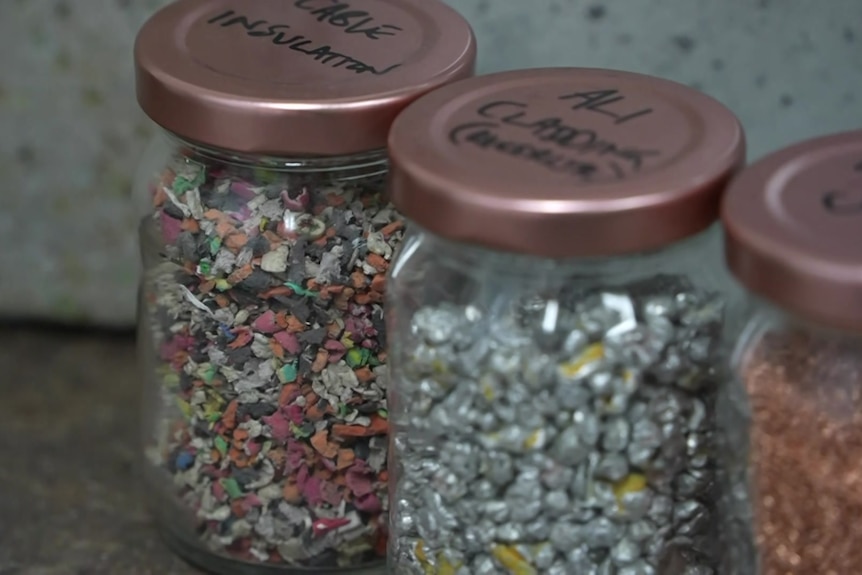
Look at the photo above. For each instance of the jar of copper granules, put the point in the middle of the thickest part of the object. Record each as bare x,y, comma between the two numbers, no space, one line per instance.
266,237
556,317
793,233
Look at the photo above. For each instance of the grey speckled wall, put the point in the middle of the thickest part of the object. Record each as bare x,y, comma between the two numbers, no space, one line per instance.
72,133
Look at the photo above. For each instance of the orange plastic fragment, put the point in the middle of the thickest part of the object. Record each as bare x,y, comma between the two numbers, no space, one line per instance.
294,325
378,283
378,426
276,291
391,228
240,274
376,260
228,418
364,374
190,225
236,241
357,279
213,214
224,228
276,348
291,493
287,391
346,457
320,361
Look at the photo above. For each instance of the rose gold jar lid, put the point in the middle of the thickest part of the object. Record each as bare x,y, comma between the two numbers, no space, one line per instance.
794,229
564,162
295,77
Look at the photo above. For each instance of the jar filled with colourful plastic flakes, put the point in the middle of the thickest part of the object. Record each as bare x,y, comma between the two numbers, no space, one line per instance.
794,232
266,237
556,328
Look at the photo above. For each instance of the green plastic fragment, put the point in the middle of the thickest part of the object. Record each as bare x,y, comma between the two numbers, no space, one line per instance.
357,357
299,290
215,244
183,184
343,409
374,361
383,413
298,432
206,371
221,444
231,486
222,285
287,374
265,176
204,268
185,408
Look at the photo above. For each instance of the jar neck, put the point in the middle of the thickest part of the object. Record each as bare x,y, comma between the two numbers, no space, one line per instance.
360,165
699,254
765,315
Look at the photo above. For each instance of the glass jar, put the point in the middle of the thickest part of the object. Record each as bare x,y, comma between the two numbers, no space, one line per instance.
265,236
793,233
556,320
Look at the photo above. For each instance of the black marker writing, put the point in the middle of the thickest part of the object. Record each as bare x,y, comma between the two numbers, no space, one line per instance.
342,15
842,203
619,159
482,134
298,43
598,100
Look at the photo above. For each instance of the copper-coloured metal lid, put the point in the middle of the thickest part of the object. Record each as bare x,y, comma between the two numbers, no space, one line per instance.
793,226
305,77
564,162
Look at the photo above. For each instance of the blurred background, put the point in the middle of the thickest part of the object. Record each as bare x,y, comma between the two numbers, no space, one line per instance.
72,133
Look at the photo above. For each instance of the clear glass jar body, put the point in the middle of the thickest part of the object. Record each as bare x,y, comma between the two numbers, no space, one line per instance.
262,343
561,417
804,383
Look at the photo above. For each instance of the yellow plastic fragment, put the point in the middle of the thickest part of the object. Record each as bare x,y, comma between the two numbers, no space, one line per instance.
537,438
446,567
185,407
488,392
422,557
438,367
632,483
512,560
592,354
419,550
211,409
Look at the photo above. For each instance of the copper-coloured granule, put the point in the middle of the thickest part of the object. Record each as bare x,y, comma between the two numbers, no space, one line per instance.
806,453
